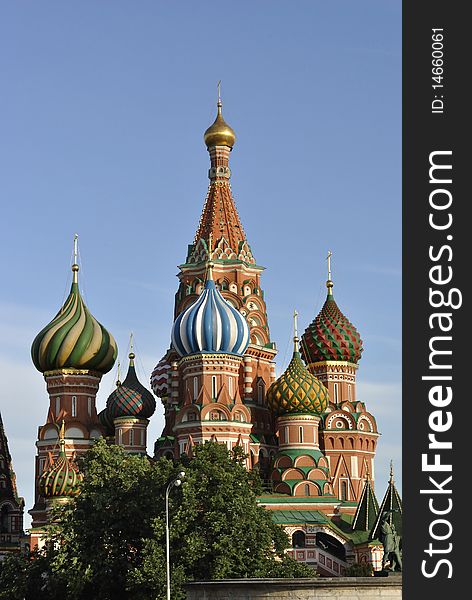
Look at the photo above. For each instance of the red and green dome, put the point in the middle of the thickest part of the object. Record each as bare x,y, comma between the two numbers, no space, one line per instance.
61,478
131,398
297,391
331,336
74,339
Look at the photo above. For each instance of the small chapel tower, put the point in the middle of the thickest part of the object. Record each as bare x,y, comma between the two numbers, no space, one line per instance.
72,352
332,348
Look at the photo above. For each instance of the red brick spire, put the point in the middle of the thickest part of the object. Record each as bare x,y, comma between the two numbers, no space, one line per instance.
220,219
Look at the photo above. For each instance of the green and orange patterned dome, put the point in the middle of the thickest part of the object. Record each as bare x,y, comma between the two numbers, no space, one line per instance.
74,339
62,477
130,398
331,336
297,391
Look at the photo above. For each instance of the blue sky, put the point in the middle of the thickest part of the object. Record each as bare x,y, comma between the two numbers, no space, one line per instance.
103,109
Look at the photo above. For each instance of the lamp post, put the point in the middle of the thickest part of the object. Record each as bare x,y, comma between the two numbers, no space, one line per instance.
175,483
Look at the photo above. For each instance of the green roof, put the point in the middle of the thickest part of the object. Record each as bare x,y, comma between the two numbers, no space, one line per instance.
293,517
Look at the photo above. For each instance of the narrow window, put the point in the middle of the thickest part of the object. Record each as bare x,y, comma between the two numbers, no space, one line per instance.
343,490
230,386
287,439
213,387
300,435
120,437
142,437
195,388
74,406
131,437
260,392
307,489
58,406
349,397
335,393
89,406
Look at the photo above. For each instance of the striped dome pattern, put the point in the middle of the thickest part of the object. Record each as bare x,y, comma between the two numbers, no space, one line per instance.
331,336
131,398
297,391
61,479
74,339
210,325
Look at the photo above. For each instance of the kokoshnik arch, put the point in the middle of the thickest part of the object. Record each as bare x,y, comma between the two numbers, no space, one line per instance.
309,435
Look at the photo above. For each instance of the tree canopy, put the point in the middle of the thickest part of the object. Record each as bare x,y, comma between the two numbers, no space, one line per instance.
109,542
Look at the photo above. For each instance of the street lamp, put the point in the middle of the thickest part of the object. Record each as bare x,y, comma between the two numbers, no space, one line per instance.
175,483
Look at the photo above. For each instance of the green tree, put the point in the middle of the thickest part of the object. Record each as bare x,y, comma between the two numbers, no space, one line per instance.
109,543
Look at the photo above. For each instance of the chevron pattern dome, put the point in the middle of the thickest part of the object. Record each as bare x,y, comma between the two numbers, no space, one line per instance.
331,336
210,325
297,391
74,339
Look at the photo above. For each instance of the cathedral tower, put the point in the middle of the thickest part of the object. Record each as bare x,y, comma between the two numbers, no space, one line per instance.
332,348
73,352
11,505
220,238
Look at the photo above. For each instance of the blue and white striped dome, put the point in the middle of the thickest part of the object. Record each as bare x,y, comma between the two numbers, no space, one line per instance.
210,324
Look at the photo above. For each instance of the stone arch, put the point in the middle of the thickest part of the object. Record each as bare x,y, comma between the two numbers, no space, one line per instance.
292,474
316,474
306,488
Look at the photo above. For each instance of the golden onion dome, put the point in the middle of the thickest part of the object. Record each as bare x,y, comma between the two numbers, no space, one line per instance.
220,133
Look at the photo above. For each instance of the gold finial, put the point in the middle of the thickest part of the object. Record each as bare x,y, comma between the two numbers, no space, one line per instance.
295,331
118,381
210,264
391,472
75,266
131,354
62,441
220,133
329,283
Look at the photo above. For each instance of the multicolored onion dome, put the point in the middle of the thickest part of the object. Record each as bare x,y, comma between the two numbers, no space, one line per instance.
106,421
74,339
331,336
220,133
210,325
131,398
62,477
297,391
160,377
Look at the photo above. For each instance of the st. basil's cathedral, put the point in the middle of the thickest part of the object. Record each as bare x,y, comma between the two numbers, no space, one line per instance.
309,436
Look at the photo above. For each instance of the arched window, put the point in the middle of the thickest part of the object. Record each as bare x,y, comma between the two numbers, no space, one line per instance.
74,406
298,539
260,392
343,490
230,386
195,388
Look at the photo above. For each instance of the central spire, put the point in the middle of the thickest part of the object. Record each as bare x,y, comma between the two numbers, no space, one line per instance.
220,218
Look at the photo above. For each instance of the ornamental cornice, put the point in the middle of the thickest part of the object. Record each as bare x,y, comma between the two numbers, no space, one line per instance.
82,372
333,363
